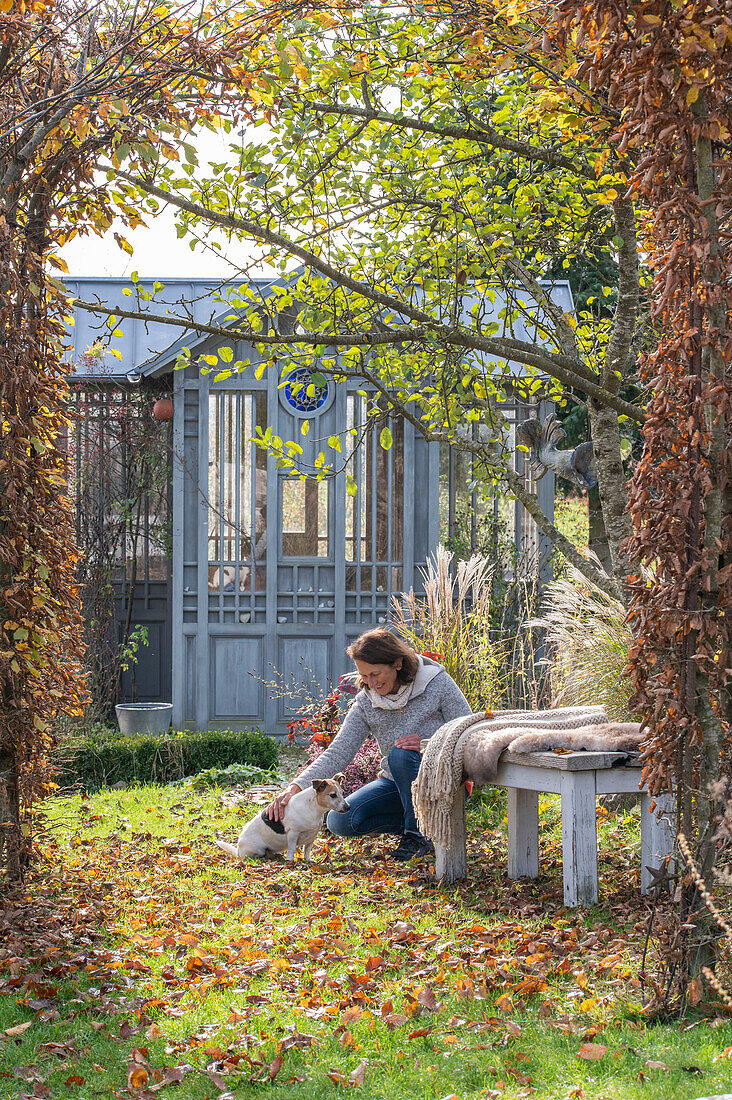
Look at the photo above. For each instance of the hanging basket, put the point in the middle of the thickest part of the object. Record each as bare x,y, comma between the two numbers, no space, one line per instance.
163,409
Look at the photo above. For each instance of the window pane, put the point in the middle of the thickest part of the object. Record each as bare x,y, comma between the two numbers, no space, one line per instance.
237,490
305,519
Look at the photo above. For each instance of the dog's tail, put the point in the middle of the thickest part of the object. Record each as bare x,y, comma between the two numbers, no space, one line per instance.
230,849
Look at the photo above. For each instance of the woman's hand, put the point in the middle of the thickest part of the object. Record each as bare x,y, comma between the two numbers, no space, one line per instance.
276,808
409,741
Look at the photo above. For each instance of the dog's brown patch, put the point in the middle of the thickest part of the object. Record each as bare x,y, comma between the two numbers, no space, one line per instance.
324,790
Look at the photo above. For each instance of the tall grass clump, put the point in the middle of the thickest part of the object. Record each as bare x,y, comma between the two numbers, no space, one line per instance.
524,677
452,623
588,639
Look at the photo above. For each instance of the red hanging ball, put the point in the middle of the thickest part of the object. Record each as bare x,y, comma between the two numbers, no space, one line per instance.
163,409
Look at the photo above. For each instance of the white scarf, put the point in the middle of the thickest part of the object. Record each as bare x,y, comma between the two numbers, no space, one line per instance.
395,701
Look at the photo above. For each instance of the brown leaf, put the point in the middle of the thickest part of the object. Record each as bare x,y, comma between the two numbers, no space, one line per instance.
419,1033
395,1019
18,1029
218,1080
427,998
137,1076
591,1052
656,1065
358,1075
275,1066
74,1079
696,991
505,1003
28,1073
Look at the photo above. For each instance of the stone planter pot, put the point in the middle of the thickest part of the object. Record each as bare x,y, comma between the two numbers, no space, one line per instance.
144,718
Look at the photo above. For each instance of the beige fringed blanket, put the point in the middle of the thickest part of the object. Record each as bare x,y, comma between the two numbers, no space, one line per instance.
471,747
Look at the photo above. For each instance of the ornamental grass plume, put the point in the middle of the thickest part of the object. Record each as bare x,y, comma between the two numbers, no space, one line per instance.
588,640
452,623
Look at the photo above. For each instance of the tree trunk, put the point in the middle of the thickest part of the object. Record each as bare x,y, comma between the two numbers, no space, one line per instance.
605,432
597,533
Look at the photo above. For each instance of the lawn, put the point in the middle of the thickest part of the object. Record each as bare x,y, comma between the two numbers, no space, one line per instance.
138,961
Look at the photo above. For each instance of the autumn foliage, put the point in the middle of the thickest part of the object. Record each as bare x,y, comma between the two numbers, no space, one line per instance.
667,71
77,84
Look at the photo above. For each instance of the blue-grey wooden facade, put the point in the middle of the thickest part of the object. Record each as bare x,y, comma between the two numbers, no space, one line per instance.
271,576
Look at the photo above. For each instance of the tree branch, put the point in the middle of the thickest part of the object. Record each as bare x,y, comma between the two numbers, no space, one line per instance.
485,135
503,348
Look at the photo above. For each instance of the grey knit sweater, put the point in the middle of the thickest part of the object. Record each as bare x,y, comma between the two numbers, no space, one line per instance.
435,699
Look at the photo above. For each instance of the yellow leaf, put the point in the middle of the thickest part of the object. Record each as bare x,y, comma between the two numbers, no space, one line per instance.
60,263
302,72
5,5
692,95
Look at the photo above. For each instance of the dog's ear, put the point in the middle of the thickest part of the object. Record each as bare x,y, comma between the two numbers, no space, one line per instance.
319,784
339,779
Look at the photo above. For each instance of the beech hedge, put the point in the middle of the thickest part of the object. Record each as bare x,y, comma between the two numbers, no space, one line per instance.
106,757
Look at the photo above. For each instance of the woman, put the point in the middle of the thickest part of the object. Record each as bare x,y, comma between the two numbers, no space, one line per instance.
403,699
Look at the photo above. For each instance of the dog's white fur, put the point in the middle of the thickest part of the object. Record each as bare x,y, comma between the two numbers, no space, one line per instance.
302,820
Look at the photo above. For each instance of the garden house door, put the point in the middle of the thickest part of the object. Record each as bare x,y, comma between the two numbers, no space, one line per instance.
276,572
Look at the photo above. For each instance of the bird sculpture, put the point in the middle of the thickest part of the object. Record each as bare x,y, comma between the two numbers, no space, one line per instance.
577,466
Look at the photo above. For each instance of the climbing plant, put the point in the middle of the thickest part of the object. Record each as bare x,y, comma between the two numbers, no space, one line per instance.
76,81
666,70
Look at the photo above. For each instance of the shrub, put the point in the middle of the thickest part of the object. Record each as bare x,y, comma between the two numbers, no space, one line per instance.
104,760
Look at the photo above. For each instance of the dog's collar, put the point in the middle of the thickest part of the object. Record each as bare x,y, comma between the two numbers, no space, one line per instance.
275,826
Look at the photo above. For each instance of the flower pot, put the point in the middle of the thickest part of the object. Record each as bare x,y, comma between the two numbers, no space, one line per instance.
144,718
163,409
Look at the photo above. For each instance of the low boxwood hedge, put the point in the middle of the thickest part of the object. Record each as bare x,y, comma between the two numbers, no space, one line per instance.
106,757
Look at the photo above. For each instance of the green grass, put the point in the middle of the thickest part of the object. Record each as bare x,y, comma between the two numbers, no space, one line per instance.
134,933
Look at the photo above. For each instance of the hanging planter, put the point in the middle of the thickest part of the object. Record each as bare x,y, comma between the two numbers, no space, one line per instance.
163,409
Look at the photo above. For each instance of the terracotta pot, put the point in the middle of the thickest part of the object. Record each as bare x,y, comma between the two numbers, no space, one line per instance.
163,409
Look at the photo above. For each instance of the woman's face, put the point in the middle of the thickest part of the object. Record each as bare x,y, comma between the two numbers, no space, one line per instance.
382,678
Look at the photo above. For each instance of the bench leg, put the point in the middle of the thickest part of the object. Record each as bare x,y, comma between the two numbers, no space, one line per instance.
658,834
452,863
523,833
579,838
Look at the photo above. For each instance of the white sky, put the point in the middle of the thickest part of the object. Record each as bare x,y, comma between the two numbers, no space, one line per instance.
157,249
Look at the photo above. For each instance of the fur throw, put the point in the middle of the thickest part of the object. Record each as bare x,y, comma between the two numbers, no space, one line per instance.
470,747
483,750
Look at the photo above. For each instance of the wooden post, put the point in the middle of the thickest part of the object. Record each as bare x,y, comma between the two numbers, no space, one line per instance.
523,833
579,838
658,830
452,863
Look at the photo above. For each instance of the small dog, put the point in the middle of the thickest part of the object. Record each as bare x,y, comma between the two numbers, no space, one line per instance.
298,828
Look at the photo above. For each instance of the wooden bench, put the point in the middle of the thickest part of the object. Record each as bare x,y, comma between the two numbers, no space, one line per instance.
579,777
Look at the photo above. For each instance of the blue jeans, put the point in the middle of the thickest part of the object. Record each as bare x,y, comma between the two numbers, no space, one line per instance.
384,806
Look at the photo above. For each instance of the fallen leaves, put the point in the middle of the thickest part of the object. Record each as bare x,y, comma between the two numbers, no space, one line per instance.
147,949
591,1052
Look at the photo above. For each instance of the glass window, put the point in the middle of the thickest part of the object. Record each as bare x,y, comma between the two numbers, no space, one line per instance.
237,490
375,516
305,518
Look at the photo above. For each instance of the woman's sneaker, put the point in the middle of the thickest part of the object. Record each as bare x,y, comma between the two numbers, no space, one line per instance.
412,845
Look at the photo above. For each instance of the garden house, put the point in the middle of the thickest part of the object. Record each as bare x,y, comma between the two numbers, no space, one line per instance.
235,568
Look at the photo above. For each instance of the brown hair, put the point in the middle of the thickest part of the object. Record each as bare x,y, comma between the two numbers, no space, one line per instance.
381,647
